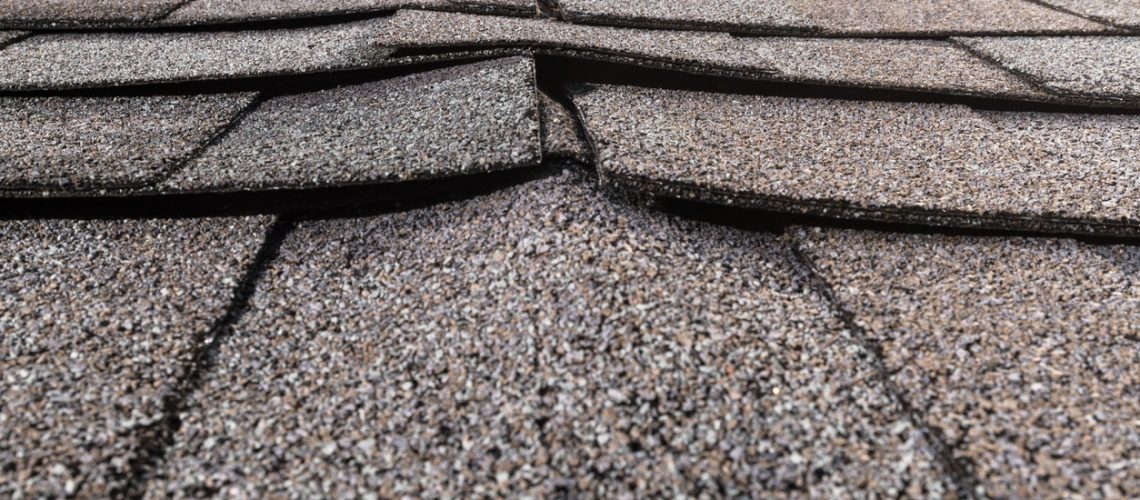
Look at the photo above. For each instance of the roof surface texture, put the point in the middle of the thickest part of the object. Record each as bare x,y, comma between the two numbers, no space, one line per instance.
578,248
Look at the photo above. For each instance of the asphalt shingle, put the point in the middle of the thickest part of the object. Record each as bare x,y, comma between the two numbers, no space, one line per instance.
732,15
1101,67
1119,12
98,319
894,161
57,61
918,65
1025,352
541,340
102,142
57,13
8,36
499,6
560,137
222,11
931,17
459,120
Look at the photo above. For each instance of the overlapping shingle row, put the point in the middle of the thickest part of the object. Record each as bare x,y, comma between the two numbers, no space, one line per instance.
556,337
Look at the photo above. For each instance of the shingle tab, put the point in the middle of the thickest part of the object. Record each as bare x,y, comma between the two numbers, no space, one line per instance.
53,13
98,319
213,11
1023,351
54,61
920,65
894,161
102,142
733,15
541,340
459,120
1105,67
930,17
1120,12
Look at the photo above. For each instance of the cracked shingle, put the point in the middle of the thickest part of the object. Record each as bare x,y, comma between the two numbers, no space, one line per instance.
541,340
100,142
895,161
97,320
460,120
1024,352
560,137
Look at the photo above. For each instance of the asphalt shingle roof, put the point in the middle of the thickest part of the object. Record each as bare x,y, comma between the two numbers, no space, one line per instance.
572,248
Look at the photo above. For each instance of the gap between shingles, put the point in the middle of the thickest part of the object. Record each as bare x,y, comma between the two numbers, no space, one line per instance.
959,470
156,440
1095,19
234,121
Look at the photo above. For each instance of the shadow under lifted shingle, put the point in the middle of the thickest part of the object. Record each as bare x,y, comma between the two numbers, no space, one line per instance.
1096,67
98,319
543,341
464,119
72,13
236,11
92,143
925,163
1025,352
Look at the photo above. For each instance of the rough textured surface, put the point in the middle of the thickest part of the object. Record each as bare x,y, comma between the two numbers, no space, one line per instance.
1087,66
499,6
99,142
1023,351
464,119
541,340
55,61
560,137
1119,12
922,65
880,160
737,15
8,36
420,29
97,320
880,17
205,11
49,13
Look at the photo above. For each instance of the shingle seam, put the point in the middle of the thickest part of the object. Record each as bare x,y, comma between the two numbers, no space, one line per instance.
1020,75
960,471
158,437
1041,225
1096,19
16,39
174,8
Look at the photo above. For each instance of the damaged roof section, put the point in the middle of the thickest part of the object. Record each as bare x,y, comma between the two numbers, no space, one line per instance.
516,321
1023,351
928,163
99,320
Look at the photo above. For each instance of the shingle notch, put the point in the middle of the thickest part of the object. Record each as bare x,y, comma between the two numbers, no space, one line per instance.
57,13
906,162
1023,351
459,120
1098,67
62,61
549,330
103,142
98,319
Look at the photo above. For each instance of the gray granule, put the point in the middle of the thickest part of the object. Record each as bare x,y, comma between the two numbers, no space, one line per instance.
97,320
921,65
560,137
881,17
891,158
421,29
1121,12
46,13
99,142
54,61
464,119
1104,67
542,340
203,11
745,15
1023,351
